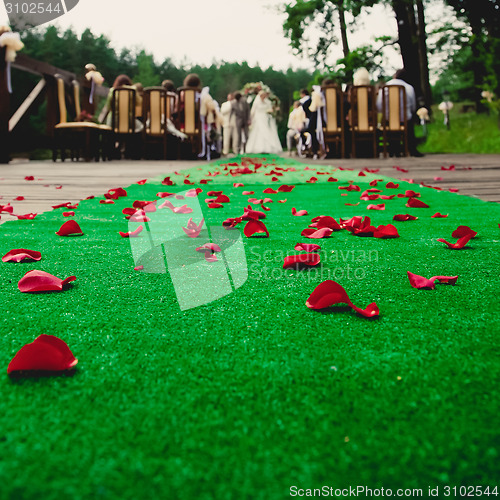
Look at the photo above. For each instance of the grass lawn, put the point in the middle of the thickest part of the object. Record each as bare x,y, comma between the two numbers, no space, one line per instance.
253,393
469,133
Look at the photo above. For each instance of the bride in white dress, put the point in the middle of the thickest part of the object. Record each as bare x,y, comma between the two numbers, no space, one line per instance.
263,136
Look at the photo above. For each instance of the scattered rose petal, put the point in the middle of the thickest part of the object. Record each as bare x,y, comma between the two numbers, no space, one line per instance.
352,204
21,254
437,215
46,353
460,243
238,184
68,214
167,182
40,281
330,293
193,230
187,181
325,221
138,268
131,234
414,203
26,216
270,191
255,227
404,217
332,179
192,193
215,205
310,232
298,213
248,193
70,228
19,198
462,231
381,206
6,208
106,202
420,282
285,188
312,180
385,232
301,260
282,201
438,178
391,185
209,250
142,182
451,167
307,247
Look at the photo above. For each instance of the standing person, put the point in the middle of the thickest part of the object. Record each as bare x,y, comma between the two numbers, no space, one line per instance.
296,122
241,111
401,78
263,137
312,117
230,130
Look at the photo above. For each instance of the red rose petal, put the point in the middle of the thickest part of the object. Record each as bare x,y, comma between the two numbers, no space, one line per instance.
330,293
420,282
167,182
68,214
307,247
298,213
255,227
270,191
301,260
404,217
414,203
131,234
192,193
388,231
45,353
29,178
6,208
381,206
26,216
215,205
138,268
248,193
70,228
21,254
391,185
40,281
445,280
285,188
142,182
193,230
437,215
238,184
313,233
460,243
106,202
462,231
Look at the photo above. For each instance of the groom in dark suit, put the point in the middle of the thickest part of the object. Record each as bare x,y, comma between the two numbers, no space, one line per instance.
312,116
241,110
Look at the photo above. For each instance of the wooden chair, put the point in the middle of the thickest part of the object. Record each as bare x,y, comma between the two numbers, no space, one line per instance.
394,120
155,111
363,117
333,129
81,138
189,117
123,121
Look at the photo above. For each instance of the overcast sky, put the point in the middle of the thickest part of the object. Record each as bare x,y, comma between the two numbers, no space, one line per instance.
203,31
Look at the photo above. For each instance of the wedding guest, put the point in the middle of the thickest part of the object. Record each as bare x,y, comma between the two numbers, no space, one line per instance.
312,118
401,78
242,112
296,122
230,130
120,81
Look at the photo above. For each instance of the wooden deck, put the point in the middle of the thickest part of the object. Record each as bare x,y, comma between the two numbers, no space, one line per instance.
79,180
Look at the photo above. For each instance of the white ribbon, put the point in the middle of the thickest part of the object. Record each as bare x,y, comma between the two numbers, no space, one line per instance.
9,80
319,121
92,90
205,91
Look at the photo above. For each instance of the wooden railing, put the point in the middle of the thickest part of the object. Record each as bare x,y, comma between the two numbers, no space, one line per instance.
47,84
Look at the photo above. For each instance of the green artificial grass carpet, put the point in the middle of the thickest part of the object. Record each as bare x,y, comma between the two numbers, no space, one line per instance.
253,393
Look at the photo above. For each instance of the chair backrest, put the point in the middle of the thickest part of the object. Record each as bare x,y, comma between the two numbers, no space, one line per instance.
76,96
155,101
191,112
394,106
363,112
123,110
333,108
61,100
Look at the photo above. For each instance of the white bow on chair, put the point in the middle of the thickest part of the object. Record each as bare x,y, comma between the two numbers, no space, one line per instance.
12,42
